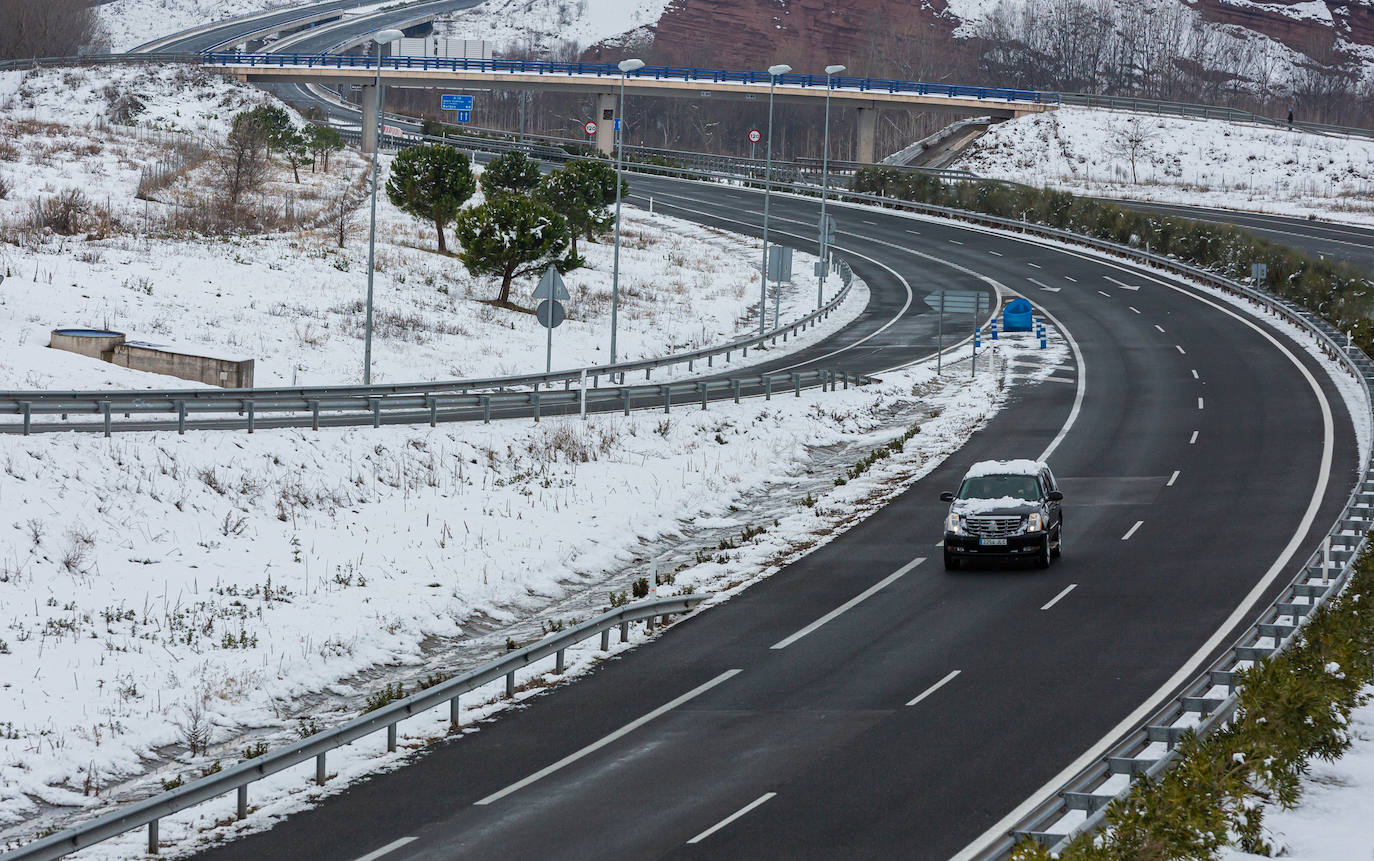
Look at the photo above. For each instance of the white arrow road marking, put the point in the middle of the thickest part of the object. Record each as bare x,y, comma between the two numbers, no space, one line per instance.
1044,286
1120,284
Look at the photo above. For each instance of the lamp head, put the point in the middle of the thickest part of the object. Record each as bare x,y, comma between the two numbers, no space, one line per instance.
630,65
780,69
834,70
386,37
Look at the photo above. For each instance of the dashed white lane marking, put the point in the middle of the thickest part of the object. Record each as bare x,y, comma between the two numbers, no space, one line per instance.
1121,284
995,253
387,849
1199,403
1195,376
1071,278
1193,439
1042,285
866,221
1134,308
1160,328
609,739
1173,478
1034,265
1055,600
918,233
935,687
955,242
850,604
732,817
1108,295
1181,351
1131,531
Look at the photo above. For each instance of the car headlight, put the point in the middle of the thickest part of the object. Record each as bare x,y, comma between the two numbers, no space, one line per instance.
952,524
1033,522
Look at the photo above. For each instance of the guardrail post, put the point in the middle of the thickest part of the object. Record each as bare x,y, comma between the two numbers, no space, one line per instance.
152,837
796,382
314,415
606,640
510,683
486,409
242,806
689,365
558,664
667,398
391,738
582,395
624,631
705,393
24,408
844,375
376,411
767,388
453,713
534,397
105,410
625,396
734,386
647,372
320,770
248,408
181,417
433,404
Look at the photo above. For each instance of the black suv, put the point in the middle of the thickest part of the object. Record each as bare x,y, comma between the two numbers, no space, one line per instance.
1005,509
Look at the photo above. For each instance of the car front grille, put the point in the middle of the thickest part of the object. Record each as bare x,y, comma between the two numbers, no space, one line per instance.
993,527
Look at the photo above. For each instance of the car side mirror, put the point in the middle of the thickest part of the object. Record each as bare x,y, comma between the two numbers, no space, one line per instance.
947,496
1055,496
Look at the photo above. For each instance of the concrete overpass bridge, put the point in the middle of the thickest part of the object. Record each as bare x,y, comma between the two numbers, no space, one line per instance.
602,80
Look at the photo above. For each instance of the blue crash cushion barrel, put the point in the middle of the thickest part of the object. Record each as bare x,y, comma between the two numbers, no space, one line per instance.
1016,317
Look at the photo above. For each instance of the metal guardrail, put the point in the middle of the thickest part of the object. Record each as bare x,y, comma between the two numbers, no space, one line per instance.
238,777
1206,112
610,70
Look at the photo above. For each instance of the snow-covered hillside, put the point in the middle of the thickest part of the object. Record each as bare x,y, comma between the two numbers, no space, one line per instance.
548,25
131,23
1177,160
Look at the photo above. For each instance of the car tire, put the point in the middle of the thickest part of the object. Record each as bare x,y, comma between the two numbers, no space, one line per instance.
951,562
1042,559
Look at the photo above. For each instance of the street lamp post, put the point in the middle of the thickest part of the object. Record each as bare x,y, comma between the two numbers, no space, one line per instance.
385,37
773,72
830,72
626,67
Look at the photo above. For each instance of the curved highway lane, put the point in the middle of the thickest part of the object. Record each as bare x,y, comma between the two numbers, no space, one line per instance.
862,702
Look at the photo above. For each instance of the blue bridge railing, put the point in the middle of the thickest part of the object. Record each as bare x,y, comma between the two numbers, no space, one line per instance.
665,73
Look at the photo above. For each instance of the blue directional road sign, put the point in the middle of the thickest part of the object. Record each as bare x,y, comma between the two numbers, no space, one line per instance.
617,124
464,117
454,102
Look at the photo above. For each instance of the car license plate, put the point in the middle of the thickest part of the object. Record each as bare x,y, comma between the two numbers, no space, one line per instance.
993,542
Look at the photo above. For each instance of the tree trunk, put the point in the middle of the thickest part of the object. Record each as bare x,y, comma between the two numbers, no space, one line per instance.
504,297
443,246
574,244
296,169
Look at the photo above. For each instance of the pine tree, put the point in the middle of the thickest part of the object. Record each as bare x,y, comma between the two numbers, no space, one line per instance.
431,182
510,236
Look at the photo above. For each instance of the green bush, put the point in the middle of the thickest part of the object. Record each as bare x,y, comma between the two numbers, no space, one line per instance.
1338,292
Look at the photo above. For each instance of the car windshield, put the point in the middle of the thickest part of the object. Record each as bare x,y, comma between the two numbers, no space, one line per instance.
1000,486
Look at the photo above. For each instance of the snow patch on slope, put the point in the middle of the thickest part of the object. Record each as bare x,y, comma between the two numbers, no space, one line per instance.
131,23
546,25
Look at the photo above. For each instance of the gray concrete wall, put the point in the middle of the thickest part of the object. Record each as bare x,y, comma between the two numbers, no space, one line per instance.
85,345
226,373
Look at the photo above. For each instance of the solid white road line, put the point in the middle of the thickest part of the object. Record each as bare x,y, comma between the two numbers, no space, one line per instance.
1181,351
732,817
1055,600
935,687
1160,328
1193,439
1081,382
387,849
1173,478
615,736
1131,531
849,605
1199,403
1042,285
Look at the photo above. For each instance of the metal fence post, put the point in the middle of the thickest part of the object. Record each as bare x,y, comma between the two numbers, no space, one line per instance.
705,393
510,683
534,397
242,810
625,395
376,412
767,388
315,415
453,713
320,770
667,399
433,404
582,395
606,640
558,665
796,382
486,409
624,631
734,386
105,410
248,405
24,408
391,738
152,837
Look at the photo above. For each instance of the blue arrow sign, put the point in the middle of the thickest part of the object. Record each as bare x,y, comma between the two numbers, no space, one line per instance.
454,102
464,116
617,124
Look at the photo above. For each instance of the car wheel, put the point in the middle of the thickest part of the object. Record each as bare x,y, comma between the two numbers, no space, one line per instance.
951,562
1042,559
1058,549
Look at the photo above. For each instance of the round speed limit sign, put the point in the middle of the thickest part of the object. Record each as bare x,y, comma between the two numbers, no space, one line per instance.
755,136
589,128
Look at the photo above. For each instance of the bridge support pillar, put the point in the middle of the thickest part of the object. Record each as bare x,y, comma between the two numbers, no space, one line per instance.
605,124
866,144
369,105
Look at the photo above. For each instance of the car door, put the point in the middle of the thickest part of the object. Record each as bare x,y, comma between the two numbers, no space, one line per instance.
1047,482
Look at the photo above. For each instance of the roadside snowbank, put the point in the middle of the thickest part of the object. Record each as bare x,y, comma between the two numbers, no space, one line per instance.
1178,160
131,23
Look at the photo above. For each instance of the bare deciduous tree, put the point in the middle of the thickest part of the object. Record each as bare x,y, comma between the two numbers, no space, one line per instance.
51,28
242,161
1131,140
